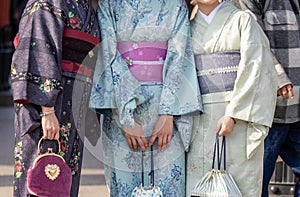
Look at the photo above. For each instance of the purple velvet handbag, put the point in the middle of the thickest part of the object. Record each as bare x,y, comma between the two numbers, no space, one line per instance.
49,175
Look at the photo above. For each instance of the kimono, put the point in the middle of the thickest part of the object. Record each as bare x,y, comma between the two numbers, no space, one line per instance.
242,85
55,52
145,69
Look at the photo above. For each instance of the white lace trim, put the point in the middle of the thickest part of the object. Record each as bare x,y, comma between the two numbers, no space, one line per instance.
221,70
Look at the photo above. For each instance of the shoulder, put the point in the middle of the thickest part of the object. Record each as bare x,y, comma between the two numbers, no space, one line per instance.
244,17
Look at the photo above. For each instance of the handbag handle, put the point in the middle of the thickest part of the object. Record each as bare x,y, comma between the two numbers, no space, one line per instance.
50,150
152,168
219,153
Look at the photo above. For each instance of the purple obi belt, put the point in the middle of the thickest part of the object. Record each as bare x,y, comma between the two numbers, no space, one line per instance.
145,60
217,71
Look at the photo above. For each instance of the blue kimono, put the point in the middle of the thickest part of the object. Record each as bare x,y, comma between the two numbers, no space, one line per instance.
145,69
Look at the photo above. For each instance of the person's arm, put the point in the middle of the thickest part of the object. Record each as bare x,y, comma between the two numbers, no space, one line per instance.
50,123
114,86
256,8
255,87
36,63
180,80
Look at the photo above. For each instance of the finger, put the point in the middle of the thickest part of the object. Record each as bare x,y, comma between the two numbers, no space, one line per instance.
152,140
56,136
285,93
222,132
193,2
169,139
134,144
52,133
164,141
218,128
279,93
47,134
291,92
144,140
128,141
160,143
141,143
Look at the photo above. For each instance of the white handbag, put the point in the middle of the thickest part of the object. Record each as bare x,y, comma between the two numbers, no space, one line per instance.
147,191
217,182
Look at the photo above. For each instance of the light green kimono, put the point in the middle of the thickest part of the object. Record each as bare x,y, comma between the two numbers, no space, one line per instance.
251,103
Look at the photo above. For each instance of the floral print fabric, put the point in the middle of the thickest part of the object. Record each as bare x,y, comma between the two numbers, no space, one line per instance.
115,88
38,80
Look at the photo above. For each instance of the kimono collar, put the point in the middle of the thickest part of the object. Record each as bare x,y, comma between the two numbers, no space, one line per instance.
208,18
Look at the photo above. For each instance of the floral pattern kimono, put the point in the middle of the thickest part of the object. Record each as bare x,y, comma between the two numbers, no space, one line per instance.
155,31
55,51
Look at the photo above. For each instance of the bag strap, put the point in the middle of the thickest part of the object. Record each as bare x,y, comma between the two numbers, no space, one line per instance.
152,168
219,153
50,150
143,168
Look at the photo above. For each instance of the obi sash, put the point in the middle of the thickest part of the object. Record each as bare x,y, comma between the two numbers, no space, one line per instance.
145,60
79,52
217,72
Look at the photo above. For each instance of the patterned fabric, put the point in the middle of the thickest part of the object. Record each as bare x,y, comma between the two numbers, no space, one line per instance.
38,79
217,71
251,101
116,88
280,20
144,68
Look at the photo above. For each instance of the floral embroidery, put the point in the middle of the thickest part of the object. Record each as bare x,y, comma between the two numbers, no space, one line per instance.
76,155
42,4
46,85
74,21
116,78
19,165
119,187
74,162
171,185
64,137
13,69
34,8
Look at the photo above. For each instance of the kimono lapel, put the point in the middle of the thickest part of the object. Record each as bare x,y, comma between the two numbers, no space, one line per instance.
209,34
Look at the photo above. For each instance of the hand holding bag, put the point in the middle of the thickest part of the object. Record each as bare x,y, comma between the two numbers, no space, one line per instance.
217,182
49,175
147,191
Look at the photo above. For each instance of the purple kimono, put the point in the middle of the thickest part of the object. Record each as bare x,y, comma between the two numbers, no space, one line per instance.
55,55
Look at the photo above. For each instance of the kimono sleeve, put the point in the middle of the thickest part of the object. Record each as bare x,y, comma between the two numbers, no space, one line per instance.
36,63
257,9
180,94
114,86
254,94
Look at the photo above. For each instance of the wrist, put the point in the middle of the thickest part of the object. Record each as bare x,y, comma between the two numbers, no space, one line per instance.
47,111
44,109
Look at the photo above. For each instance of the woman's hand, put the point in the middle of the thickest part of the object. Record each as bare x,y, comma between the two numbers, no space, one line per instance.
225,126
50,123
163,131
135,136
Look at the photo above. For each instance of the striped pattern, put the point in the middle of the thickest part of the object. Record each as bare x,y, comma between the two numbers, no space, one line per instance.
217,71
216,183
